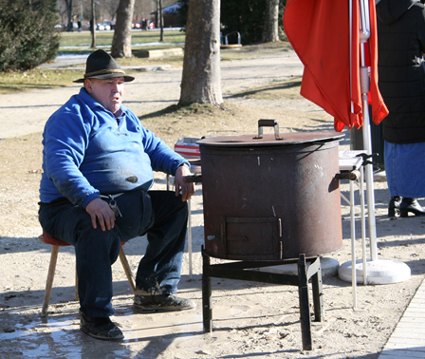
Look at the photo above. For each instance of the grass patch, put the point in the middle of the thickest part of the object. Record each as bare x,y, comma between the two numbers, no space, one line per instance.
80,42
36,79
39,79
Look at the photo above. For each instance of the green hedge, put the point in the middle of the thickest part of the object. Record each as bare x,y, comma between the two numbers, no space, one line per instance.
28,36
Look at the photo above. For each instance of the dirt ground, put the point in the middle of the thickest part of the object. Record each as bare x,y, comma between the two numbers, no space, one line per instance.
250,320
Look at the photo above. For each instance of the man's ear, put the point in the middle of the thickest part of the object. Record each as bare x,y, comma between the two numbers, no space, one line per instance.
87,85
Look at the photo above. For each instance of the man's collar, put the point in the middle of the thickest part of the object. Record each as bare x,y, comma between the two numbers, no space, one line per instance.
119,113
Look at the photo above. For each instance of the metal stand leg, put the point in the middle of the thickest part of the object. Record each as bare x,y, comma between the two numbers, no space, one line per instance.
316,281
206,293
304,304
242,270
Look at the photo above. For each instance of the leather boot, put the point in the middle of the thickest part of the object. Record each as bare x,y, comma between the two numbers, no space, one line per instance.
393,207
410,205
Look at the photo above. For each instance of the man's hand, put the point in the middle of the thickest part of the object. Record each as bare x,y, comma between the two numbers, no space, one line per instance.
99,211
187,189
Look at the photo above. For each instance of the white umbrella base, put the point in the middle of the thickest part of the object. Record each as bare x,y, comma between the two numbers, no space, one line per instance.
381,271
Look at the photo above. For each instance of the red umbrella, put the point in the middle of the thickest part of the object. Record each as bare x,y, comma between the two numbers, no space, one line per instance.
320,34
336,40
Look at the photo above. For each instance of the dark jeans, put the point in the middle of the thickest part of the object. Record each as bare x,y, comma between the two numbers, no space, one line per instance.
160,214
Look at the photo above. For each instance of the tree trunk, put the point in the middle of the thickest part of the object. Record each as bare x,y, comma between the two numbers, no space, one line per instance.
93,25
201,81
121,43
70,26
271,22
161,22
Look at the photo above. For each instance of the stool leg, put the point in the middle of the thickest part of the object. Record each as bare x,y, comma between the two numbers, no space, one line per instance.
127,269
50,276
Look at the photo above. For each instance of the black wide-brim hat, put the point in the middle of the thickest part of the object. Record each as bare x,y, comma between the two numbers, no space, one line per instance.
102,66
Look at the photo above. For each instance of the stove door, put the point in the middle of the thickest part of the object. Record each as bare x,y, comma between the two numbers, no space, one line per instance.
252,237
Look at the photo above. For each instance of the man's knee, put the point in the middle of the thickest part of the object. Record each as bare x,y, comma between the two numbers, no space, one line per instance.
98,243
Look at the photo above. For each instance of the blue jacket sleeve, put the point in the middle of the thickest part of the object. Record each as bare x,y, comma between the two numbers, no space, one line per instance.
65,140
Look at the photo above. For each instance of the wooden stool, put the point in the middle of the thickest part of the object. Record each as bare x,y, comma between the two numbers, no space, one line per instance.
56,243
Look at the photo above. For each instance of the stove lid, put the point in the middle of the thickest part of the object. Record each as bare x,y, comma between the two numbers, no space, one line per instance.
284,139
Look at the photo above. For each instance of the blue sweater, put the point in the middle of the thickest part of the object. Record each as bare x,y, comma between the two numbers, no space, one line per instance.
88,152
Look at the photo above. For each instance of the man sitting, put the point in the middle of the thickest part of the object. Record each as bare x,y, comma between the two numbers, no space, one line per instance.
98,163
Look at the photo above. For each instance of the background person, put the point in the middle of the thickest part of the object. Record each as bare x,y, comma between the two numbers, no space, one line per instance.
401,43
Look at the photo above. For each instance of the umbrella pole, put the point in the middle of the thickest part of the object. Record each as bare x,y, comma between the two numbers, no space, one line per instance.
383,271
367,141
375,271
370,193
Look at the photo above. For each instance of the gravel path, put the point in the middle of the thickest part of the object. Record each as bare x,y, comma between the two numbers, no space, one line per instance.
251,320
26,113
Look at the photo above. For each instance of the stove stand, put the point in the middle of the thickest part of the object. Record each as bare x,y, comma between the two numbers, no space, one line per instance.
238,270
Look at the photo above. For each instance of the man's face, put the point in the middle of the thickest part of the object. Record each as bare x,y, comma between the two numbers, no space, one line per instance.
109,93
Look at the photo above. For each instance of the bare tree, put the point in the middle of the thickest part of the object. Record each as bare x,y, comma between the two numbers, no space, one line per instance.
271,22
63,11
111,8
93,25
68,4
201,81
121,43
161,21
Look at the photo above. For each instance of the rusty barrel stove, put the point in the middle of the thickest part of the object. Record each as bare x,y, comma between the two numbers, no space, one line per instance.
271,197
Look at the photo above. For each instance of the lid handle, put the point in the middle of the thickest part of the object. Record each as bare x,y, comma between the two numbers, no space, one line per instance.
268,123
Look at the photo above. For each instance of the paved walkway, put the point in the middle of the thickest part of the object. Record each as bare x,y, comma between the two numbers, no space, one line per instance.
408,338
